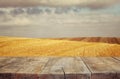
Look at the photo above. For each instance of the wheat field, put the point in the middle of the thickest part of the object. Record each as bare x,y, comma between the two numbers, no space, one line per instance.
14,46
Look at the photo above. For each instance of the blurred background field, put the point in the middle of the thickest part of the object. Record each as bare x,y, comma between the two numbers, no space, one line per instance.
84,47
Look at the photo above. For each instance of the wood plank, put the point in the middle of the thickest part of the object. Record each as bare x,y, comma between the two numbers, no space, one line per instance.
103,67
14,65
32,64
5,61
60,68
118,73
32,68
22,68
115,65
65,68
5,76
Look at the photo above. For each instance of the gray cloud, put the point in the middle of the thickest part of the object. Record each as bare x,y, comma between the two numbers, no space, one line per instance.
60,10
17,11
38,10
34,10
2,12
59,3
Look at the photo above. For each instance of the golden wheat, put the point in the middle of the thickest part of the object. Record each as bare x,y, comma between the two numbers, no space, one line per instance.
48,47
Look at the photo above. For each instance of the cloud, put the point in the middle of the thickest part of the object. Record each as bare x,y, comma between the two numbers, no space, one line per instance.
34,10
30,15
17,11
60,3
2,12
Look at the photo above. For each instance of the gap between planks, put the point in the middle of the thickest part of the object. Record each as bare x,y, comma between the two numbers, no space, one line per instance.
73,67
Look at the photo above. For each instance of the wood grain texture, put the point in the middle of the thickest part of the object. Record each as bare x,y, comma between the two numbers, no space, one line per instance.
60,68
23,68
38,68
103,67
65,68
6,61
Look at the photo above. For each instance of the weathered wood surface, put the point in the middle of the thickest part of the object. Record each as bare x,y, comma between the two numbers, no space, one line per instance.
103,67
65,68
60,68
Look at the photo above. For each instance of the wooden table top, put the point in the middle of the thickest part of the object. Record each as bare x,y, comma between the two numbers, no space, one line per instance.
59,67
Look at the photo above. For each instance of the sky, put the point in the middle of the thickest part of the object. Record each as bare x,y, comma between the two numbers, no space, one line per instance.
21,12
65,3
59,14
